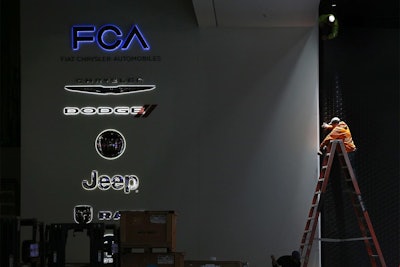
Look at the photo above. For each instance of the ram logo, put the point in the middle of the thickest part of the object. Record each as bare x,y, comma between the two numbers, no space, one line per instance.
83,214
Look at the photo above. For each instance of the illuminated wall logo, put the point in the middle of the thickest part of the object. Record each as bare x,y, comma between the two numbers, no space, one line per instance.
136,111
83,214
109,86
108,215
99,89
110,248
107,37
126,183
110,144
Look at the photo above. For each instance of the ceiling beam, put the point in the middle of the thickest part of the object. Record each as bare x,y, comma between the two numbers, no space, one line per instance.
205,13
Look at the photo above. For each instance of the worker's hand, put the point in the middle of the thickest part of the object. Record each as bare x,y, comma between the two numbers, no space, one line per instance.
321,150
325,125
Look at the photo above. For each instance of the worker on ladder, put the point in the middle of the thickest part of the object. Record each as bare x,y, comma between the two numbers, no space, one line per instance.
339,130
339,143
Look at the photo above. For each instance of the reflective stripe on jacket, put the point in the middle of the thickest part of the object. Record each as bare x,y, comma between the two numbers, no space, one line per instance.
341,131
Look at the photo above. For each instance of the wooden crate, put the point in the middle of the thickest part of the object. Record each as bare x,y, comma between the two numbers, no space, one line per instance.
169,259
148,229
211,263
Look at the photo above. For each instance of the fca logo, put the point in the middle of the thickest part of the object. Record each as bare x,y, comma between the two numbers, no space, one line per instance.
108,37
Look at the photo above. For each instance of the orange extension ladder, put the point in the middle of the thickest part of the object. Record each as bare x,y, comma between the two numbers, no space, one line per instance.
336,147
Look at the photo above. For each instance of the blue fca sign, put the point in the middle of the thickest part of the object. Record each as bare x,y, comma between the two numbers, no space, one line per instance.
107,37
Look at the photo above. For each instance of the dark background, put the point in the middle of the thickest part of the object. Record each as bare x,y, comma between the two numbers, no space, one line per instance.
359,82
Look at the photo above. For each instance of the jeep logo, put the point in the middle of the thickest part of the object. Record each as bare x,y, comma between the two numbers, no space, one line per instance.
127,183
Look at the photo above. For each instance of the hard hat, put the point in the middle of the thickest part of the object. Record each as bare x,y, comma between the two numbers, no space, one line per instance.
334,119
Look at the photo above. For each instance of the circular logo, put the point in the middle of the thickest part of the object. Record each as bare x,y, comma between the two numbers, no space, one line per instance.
110,144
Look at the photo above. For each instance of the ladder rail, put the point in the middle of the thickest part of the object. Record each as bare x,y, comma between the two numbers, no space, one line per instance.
363,219
316,204
357,196
364,231
356,200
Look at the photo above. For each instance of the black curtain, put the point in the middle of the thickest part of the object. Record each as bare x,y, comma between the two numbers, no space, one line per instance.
359,82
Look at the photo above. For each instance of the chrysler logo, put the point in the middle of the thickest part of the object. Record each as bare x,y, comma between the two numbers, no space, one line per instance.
98,89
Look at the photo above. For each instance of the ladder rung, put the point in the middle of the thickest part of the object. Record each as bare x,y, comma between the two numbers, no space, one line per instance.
345,239
337,148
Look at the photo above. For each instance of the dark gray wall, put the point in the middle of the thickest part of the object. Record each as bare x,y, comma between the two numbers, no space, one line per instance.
231,146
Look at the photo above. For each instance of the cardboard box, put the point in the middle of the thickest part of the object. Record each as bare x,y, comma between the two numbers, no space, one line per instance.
148,229
211,263
171,259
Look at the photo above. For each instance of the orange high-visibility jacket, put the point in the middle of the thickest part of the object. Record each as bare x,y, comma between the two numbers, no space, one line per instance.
341,131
